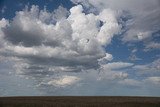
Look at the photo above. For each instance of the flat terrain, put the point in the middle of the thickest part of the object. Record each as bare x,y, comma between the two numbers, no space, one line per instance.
79,101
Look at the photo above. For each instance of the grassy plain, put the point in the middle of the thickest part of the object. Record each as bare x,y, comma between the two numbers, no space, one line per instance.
71,101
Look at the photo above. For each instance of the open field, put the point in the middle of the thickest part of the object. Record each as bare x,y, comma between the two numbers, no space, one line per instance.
79,101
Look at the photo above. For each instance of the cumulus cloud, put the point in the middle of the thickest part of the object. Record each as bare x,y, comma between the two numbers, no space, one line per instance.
68,47
142,19
39,42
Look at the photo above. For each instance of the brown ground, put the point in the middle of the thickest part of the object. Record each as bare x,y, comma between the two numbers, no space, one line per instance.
79,101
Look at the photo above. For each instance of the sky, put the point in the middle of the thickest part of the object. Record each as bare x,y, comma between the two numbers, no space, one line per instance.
79,48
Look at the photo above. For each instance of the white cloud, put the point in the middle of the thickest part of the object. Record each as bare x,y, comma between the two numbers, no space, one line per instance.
151,69
86,26
144,13
60,13
3,24
77,39
134,50
64,81
39,43
109,28
42,44
116,65
151,46
109,76
113,71
105,59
